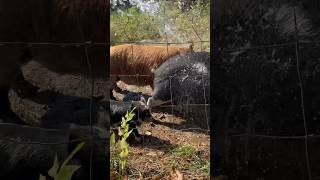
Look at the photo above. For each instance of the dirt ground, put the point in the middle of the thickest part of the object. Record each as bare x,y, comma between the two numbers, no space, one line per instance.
156,156
169,141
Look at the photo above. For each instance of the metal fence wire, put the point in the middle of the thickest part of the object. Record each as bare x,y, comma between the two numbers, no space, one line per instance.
194,113
167,42
173,107
38,141
92,113
269,109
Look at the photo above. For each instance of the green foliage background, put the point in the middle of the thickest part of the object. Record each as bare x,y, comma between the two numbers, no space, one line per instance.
192,25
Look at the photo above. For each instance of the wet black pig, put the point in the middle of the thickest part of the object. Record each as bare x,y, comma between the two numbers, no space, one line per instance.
22,158
184,82
27,152
182,78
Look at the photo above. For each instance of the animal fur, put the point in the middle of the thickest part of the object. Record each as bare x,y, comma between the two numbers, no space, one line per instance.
59,21
132,59
53,20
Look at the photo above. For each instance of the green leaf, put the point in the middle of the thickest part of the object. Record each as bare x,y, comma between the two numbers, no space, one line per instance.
126,128
78,147
54,170
112,139
126,135
129,117
131,112
124,153
123,143
127,114
42,177
66,172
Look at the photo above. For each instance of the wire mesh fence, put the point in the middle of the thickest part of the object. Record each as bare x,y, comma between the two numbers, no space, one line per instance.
67,110
195,120
265,107
149,64
63,113
39,123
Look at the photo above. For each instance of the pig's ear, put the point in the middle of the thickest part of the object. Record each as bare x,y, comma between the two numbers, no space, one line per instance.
149,101
143,100
149,104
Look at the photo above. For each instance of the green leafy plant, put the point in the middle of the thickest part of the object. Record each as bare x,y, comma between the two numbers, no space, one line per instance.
132,25
120,148
65,171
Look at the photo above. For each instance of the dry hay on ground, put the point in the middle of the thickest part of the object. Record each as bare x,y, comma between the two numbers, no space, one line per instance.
166,144
157,155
